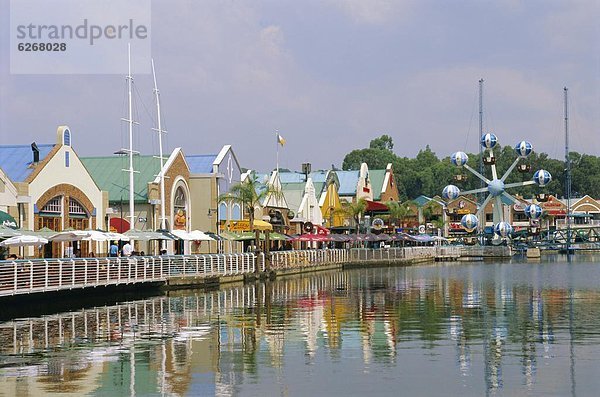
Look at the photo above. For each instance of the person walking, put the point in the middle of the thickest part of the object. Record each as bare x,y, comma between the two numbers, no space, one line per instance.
113,250
127,249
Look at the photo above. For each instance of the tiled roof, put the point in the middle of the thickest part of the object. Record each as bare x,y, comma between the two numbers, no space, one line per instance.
293,193
422,200
200,163
348,182
108,174
16,160
377,177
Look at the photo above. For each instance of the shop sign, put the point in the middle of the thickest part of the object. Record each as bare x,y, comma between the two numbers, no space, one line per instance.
239,226
518,207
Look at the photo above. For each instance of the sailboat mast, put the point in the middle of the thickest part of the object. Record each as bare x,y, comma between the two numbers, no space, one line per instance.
481,135
567,169
160,153
130,122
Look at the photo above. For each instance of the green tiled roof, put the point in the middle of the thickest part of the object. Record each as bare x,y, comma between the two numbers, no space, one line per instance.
422,200
108,174
293,193
319,186
377,177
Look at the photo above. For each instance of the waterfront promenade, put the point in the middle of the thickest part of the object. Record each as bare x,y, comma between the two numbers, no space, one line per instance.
35,276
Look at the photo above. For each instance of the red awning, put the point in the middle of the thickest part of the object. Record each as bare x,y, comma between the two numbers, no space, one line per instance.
375,206
321,231
119,225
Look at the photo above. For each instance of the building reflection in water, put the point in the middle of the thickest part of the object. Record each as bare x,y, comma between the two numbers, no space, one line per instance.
198,343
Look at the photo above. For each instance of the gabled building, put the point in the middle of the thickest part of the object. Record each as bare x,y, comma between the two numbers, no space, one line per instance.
355,185
326,185
384,185
212,175
9,210
302,200
53,189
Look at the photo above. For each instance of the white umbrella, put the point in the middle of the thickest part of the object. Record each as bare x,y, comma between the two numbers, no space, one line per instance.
6,232
22,241
72,235
96,235
116,236
198,235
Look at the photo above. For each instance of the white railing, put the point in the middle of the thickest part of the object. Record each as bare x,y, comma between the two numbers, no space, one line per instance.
392,254
304,258
562,224
40,275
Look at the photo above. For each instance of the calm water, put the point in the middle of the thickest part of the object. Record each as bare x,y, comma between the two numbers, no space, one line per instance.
444,329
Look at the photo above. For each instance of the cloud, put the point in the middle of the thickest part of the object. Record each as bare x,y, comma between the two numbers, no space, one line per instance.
374,12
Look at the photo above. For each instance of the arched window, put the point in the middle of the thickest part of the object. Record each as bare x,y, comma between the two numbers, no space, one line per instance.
67,137
222,211
76,209
180,209
53,206
50,216
236,212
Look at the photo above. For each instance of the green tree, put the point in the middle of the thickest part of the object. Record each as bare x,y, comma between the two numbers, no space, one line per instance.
249,194
384,142
399,211
355,210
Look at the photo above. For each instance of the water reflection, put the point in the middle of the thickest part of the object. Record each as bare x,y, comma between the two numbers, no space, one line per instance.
457,328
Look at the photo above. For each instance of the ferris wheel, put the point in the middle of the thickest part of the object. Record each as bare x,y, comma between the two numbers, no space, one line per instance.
496,187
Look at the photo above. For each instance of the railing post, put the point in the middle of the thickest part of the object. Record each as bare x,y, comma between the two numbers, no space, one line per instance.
60,267
45,274
73,272
16,276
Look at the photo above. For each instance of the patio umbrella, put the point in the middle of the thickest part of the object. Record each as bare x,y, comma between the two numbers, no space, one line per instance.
198,235
116,236
70,235
6,232
147,235
310,237
278,237
340,238
23,240
96,235
383,237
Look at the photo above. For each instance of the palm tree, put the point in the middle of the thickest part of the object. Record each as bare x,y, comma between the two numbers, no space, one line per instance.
250,194
399,211
355,210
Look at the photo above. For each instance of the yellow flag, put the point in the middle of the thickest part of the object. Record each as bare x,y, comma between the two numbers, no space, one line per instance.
280,140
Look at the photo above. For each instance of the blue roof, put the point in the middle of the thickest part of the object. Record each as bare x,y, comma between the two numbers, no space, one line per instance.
15,160
295,177
201,163
348,182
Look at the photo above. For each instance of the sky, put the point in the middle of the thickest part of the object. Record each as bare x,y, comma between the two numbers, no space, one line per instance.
329,76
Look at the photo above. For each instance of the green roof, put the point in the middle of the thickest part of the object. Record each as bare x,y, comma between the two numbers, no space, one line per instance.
293,193
108,174
377,177
318,188
421,200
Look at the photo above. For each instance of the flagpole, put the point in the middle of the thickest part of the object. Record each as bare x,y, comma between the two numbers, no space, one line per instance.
277,145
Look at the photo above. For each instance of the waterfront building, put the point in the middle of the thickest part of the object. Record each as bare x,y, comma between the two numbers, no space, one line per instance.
213,175
108,172
53,189
355,185
303,203
326,185
8,201
384,185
